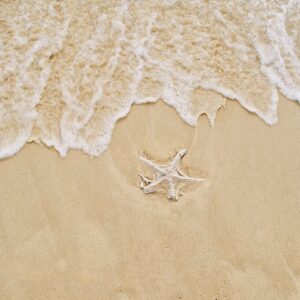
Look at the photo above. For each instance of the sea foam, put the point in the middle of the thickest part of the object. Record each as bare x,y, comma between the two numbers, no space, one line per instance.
71,70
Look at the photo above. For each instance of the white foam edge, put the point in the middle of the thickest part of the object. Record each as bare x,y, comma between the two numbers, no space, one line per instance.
270,117
13,148
104,140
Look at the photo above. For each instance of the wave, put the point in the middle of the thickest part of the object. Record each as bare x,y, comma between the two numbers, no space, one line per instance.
71,69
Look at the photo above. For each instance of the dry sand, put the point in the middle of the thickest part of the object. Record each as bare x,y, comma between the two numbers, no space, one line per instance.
80,228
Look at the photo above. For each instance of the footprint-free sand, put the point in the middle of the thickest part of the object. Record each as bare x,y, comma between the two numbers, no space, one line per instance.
80,227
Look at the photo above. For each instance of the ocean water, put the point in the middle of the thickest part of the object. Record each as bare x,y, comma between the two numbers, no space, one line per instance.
69,70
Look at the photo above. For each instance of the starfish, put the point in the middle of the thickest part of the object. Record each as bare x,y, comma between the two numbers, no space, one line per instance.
168,176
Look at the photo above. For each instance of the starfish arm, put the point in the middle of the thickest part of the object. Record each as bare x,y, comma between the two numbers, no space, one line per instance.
150,188
187,178
144,178
144,181
178,157
152,165
172,191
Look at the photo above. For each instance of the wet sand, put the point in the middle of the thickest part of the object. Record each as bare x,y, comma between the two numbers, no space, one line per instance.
80,228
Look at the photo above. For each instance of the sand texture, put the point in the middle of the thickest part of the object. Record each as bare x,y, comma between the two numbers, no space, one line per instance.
80,228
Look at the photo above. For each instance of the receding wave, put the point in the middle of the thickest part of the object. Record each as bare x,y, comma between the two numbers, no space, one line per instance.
71,69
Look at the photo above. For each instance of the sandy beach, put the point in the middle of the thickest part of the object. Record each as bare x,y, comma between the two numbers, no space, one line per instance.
81,228
87,88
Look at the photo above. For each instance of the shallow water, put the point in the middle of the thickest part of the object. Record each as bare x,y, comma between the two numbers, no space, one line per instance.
69,70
